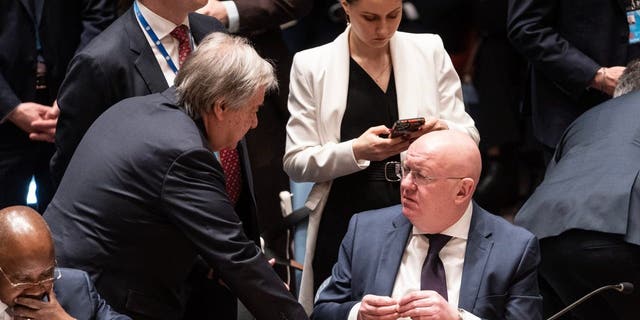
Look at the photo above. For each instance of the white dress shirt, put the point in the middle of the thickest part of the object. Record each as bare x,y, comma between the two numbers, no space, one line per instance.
3,312
452,256
163,27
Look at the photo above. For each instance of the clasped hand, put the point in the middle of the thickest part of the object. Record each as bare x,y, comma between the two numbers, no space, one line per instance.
39,121
424,304
373,144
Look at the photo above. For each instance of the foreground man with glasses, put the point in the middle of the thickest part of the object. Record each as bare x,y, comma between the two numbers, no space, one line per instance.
438,255
31,287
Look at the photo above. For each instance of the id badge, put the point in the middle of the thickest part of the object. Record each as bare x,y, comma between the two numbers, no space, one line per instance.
633,19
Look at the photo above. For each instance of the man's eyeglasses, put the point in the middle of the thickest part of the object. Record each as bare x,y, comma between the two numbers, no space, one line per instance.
395,171
55,275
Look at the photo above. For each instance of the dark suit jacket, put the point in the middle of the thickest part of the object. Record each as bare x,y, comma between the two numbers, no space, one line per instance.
592,181
119,64
260,21
78,297
499,277
138,203
64,26
566,41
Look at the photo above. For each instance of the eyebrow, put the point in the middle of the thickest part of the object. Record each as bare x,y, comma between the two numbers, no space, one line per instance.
375,14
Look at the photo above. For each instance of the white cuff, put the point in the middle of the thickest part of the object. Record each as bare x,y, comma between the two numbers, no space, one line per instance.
353,314
466,315
232,15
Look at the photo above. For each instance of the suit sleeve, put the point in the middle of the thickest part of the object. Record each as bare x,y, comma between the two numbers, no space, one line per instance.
307,158
530,28
267,14
84,95
102,310
8,99
97,15
336,299
195,200
524,300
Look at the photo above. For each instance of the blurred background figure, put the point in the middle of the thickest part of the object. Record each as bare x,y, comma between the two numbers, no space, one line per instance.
38,39
586,212
260,22
576,51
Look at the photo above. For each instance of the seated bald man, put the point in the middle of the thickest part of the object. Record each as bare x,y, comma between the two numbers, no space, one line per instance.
438,255
31,287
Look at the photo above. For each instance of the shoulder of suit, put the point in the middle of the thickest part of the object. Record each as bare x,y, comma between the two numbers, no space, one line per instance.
315,53
419,40
73,275
112,42
502,228
382,215
204,23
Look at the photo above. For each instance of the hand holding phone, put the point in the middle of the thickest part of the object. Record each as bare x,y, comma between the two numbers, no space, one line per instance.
406,126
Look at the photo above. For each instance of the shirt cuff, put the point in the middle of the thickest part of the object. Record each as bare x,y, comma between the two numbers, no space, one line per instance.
232,15
465,315
353,314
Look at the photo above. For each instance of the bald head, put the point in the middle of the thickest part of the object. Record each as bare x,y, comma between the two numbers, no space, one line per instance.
24,235
454,151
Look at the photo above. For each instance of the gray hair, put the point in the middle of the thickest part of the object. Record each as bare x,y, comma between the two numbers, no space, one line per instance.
226,69
629,80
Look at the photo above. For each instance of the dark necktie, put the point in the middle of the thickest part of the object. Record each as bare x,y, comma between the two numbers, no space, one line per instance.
433,275
230,161
181,33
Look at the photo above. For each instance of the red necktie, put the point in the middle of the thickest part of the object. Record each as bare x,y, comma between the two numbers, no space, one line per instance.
231,166
433,276
181,33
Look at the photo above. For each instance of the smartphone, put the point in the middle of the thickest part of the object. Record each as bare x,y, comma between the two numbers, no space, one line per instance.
406,126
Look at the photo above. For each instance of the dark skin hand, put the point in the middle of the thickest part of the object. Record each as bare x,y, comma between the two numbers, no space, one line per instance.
32,308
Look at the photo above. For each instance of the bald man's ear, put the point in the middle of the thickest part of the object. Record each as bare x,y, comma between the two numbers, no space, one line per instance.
465,191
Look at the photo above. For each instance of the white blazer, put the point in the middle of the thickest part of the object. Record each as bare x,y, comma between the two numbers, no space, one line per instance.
426,84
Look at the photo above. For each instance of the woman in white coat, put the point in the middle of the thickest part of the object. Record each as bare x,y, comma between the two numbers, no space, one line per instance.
344,96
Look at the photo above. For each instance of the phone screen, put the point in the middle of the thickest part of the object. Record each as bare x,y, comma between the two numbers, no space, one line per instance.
406,126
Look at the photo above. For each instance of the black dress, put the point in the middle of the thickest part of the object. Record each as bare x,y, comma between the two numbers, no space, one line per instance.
367,106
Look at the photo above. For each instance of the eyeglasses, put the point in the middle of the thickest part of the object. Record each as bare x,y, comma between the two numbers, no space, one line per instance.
394,171
55,275
419,179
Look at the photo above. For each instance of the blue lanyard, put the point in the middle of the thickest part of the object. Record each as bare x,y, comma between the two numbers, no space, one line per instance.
154,37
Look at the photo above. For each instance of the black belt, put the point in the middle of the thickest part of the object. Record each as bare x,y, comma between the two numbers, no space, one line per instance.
384,171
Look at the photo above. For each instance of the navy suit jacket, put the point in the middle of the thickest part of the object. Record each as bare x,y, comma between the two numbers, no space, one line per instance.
499,277
142,197
119,64
78,297
592,181
566,41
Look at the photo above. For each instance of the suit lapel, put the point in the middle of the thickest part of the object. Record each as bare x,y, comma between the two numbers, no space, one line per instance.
392,251
28,9
145,63
407,82
39,7
479,245
335,85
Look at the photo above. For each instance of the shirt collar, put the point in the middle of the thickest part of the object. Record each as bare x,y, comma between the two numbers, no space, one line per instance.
460,229
3,310
161,26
